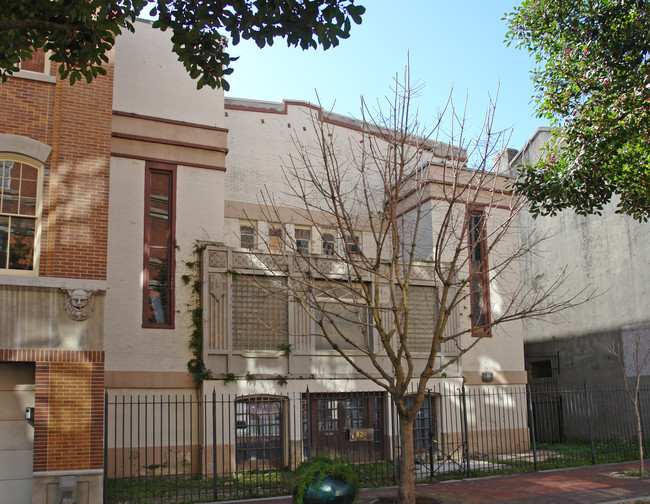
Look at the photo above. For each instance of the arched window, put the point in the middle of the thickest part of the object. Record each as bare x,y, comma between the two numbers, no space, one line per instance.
19,214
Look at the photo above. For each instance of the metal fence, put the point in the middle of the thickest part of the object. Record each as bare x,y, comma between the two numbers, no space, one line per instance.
181,449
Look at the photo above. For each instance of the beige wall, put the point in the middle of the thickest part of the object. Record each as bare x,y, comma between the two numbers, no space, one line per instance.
34,316
199,214
149,80
159,115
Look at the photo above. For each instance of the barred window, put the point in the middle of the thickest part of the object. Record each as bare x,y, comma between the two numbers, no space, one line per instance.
258,433
259,313
247,236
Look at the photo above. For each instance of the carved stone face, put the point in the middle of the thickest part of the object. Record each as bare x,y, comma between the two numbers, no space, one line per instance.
79,304
79,299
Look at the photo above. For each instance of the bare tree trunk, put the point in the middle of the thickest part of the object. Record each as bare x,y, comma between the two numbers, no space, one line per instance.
639,429
406,494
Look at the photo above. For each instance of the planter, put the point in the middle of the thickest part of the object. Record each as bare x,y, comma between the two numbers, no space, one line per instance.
331,491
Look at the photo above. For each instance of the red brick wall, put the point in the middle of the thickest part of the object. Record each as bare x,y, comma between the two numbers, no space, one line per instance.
76,122
69,407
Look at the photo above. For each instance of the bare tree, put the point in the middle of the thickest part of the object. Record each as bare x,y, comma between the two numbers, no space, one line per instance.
422,204
634,360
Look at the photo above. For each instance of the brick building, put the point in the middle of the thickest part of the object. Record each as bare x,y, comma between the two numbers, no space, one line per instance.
54,158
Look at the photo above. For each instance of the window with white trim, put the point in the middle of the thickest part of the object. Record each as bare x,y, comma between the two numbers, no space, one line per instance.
303,240
18,215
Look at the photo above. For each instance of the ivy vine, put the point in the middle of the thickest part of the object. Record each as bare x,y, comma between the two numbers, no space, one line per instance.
195,365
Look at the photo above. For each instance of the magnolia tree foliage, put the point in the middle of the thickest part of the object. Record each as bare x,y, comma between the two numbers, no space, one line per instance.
414,198
79,34
593,83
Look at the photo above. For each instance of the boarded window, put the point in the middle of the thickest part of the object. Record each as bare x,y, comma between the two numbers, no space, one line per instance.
275,238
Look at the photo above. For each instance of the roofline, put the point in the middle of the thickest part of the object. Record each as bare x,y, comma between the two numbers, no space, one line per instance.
440,149
538,131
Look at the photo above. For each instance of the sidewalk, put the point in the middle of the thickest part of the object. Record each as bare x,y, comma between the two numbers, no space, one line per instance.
590,484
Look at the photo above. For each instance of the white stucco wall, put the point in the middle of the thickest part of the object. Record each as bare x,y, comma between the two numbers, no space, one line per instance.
609,254
149,80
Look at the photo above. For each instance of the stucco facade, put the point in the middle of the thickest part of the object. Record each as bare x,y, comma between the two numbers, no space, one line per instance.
150,193
605,256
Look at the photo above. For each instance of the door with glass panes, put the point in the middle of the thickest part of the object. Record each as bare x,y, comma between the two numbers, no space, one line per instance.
348,424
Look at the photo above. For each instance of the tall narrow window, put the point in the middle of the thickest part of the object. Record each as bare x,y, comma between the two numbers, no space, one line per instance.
479,285
18,215
158,303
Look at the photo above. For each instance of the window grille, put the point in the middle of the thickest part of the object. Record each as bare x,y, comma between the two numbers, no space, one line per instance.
259,313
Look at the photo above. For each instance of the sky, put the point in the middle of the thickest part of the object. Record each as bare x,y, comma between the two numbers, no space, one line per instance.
451,46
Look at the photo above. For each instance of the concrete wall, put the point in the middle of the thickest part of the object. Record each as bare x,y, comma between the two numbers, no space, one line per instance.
607,255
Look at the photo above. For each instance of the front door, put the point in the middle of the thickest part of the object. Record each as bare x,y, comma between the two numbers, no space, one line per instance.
16,433
348,424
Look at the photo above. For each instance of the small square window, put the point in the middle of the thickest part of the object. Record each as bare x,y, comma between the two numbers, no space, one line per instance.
247,236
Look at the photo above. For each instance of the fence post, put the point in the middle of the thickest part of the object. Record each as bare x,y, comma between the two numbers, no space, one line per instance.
432,430
105,498
214,444
531,415
393,439
591,434
466,432
308,430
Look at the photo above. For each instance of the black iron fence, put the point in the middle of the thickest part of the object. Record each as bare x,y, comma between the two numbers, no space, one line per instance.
167,448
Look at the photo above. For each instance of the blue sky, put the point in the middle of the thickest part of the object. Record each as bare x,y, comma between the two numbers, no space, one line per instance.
451,45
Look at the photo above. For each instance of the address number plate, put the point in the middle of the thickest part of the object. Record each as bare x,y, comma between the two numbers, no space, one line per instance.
362,434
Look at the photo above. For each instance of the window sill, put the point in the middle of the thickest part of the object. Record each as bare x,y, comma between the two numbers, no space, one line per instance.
52,282
35,76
